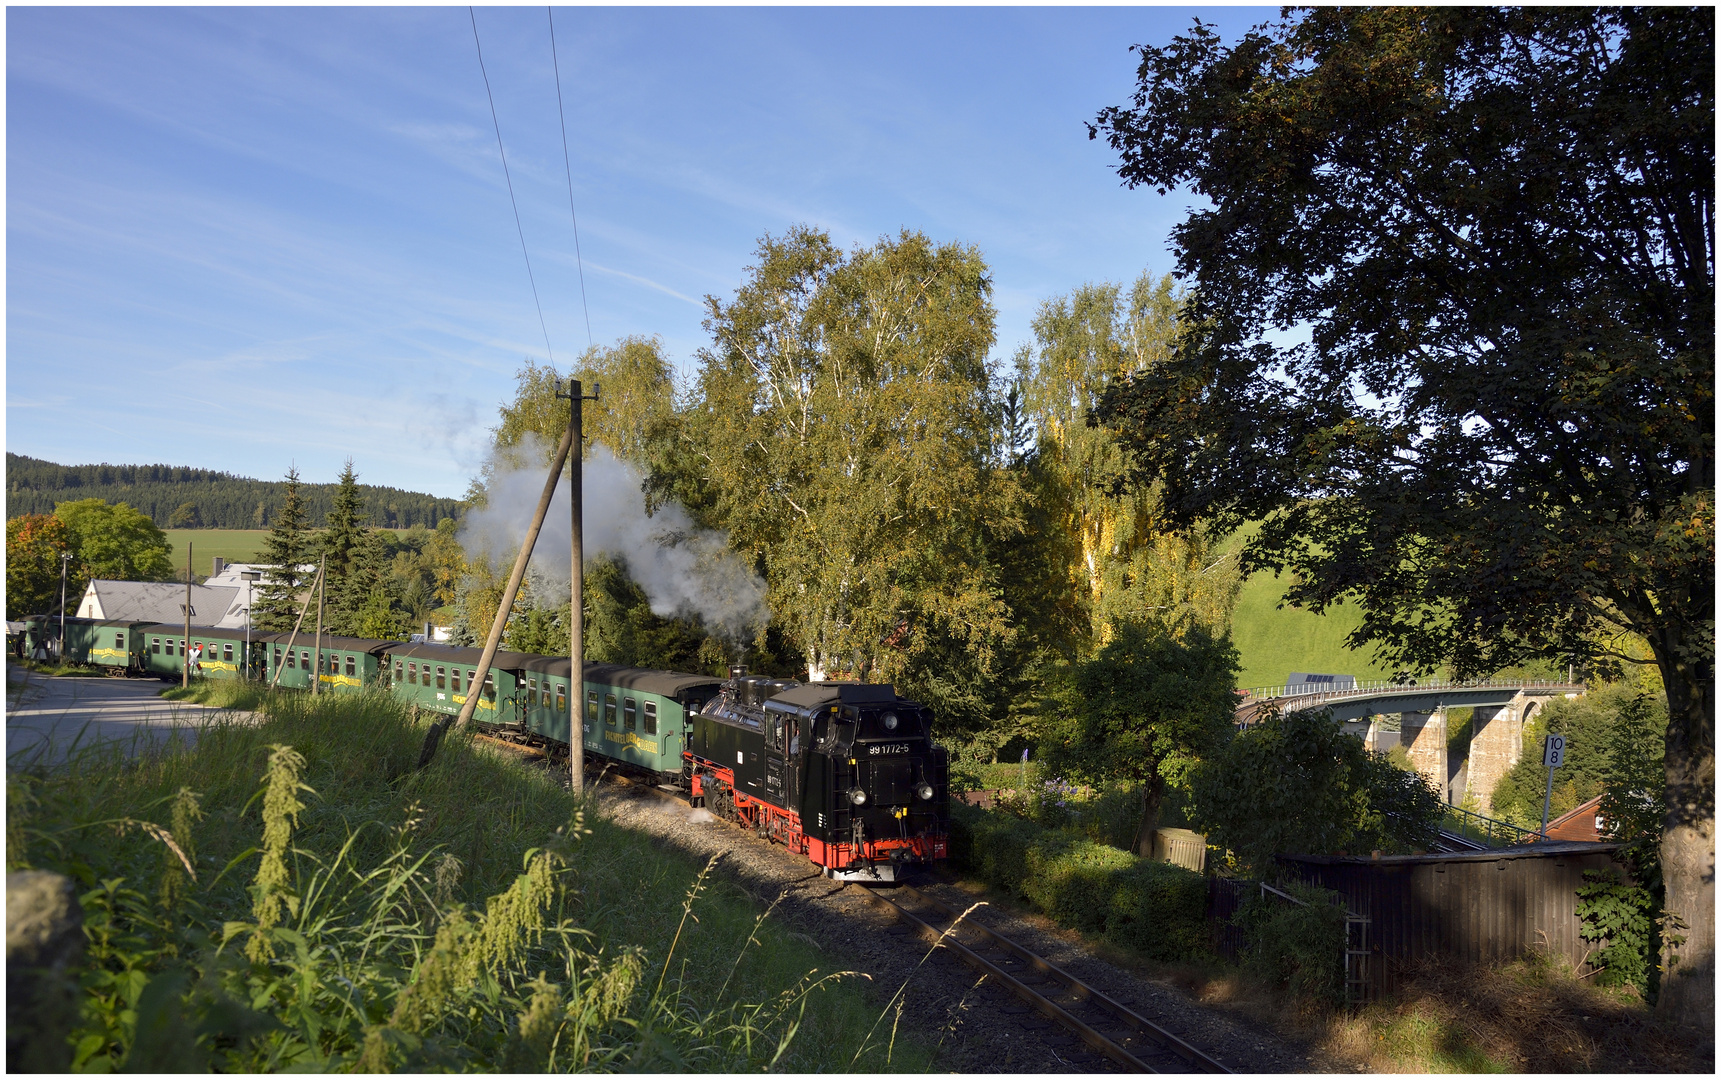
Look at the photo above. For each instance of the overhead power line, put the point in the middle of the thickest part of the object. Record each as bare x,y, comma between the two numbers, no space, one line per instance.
505,175
578,260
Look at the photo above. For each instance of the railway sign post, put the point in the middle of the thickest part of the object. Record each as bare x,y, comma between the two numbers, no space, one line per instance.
1553,756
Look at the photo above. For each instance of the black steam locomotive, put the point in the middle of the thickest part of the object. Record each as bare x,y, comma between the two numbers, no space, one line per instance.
845,773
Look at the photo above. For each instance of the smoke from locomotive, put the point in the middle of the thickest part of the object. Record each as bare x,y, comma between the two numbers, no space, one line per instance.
683,569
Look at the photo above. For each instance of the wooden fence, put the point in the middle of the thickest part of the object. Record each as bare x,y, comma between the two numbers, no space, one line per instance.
1482,907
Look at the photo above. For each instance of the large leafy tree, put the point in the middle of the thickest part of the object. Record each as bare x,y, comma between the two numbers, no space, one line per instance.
843,433
1121,560
1452,338
34,544
1149,706
116,542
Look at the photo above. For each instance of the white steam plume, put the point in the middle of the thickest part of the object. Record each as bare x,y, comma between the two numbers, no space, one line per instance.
684,569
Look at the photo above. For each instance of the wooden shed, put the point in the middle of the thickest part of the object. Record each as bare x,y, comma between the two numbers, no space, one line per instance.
1483,907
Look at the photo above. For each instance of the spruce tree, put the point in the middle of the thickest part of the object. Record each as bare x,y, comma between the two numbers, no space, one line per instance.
341,546
286,550
369,601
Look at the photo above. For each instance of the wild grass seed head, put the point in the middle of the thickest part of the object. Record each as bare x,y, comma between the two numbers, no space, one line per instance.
281,808
539,1025
186,814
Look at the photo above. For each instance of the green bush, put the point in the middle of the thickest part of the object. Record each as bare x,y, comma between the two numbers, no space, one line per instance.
1155,909
1623,915
1297,946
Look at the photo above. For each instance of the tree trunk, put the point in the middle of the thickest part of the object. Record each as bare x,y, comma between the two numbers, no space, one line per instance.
1688,837
1152,794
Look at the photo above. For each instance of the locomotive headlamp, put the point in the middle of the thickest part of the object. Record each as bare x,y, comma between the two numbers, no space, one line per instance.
889,721
858,797
924,791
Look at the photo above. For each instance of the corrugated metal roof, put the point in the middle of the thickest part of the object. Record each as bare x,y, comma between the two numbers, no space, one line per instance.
158,601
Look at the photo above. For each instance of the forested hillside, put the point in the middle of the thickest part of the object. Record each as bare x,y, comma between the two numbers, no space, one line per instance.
179,497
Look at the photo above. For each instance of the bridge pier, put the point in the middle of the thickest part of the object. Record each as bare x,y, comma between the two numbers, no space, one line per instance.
1497,744
1423,736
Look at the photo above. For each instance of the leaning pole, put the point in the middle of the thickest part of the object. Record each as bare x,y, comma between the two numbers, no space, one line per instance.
434,735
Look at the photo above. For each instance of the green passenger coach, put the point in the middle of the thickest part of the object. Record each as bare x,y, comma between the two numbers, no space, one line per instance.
636,716
347,664
438,678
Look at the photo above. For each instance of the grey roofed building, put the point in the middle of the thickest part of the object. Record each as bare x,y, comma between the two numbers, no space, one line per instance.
162,601
246,580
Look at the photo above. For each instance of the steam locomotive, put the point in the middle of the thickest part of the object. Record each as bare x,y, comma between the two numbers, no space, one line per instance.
845,773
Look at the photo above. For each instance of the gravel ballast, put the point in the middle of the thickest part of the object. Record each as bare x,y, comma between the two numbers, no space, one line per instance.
976,1027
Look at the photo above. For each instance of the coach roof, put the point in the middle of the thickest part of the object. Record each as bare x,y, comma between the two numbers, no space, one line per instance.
645,680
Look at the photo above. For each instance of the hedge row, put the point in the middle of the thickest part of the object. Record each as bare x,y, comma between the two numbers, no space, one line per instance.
1153,908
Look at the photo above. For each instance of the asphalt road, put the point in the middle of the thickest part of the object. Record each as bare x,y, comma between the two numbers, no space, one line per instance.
51,715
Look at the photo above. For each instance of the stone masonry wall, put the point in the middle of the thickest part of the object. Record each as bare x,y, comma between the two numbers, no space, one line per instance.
1496,743
1423,736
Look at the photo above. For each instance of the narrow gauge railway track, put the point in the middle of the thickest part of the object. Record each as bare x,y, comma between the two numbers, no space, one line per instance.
1113,1029
1134,1042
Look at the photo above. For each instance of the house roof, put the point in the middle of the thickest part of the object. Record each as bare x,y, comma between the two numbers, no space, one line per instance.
1583,823
160,601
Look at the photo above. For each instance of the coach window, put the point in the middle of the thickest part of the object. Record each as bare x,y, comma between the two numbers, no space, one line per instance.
531,693
651,718
628,711
350,670
561,699
609,710
399,672
305,659
155,645
119,641
290,662
489,686
591,704
441,679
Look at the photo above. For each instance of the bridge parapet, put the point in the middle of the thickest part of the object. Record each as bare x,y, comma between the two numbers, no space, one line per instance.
1378,698
1501,708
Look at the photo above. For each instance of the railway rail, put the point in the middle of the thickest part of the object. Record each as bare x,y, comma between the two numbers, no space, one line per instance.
1110,1027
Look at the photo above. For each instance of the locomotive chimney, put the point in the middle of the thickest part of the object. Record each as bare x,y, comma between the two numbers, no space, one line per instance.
737,671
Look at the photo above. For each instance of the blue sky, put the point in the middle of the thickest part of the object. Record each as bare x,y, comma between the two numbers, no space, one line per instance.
243,238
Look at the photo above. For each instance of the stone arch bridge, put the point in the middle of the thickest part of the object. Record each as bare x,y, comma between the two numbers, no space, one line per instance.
1501,709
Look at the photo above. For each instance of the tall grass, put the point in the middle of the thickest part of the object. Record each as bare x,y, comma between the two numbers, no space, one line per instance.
290,893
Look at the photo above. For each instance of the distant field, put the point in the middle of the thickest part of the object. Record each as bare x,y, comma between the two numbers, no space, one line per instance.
1274,643
234,545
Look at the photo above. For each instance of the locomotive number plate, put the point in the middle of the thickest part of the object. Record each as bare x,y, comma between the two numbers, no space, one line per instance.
887,748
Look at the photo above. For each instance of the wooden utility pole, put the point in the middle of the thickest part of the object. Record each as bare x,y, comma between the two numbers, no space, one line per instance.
322,580
300,621
501,621
576,587
185,642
